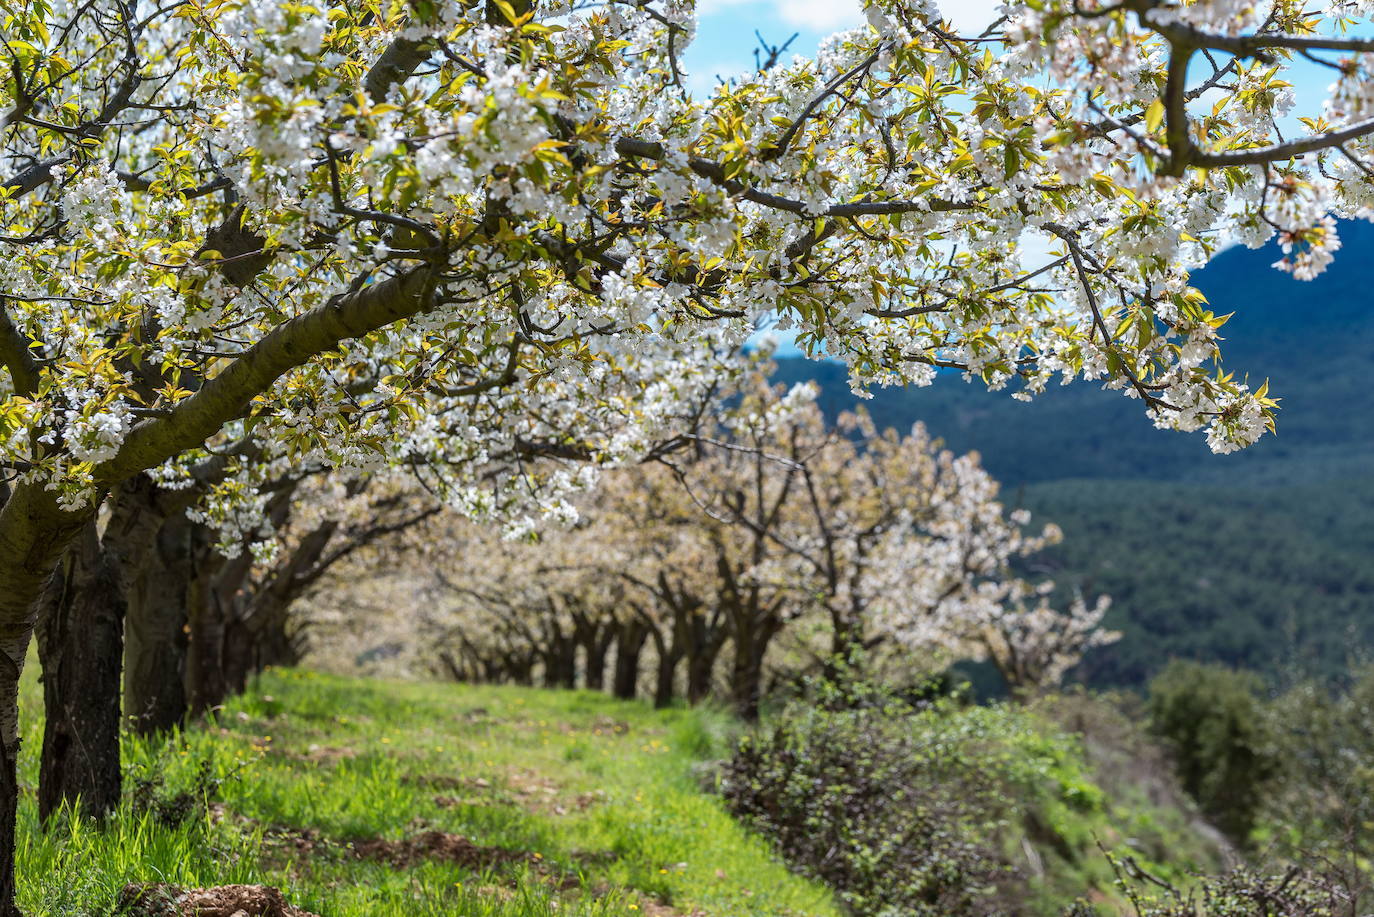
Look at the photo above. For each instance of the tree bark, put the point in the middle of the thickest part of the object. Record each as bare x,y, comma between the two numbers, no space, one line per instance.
522,670
34,534
700,667
703,642
9,810
597,648
751,638
155,632
80,646
665,686
746,679
560,664
628,649
240,652
206,687
669,655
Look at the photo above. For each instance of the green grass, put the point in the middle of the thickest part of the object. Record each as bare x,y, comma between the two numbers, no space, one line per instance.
603,798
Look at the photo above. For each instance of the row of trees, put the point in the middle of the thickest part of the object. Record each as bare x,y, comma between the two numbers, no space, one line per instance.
151,618
773,545
244,241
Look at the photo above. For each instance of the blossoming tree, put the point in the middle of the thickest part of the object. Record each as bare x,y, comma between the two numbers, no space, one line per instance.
311,224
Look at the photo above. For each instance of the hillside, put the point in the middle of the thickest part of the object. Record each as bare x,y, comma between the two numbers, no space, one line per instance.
1259,559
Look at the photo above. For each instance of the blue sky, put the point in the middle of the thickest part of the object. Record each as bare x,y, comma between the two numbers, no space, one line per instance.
725,39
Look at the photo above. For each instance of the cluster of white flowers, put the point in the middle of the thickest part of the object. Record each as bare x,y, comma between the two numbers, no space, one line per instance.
96,436
595,238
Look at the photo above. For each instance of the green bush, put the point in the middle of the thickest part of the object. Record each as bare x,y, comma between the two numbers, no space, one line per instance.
1295,891
889,816
1323,803
1224,748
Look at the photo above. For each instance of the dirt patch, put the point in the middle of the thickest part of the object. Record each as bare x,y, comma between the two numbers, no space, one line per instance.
606,724
448,782
654,909
600,726
536,793
454,848
225,901
438,845
532,788
445,801
317,754
284,845
477,716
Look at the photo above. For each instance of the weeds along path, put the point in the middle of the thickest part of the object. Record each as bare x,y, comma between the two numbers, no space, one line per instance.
381,799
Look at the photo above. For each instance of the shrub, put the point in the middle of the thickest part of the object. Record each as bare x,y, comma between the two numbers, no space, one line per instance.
1216,723
1324,801
1320,890
888,816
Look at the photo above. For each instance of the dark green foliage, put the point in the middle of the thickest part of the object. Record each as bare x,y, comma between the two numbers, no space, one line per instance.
1277,581
1217,726
933,807
1323,802
881,813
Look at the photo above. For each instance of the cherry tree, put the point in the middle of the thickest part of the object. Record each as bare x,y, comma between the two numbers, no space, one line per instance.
885,538
655,532
317,226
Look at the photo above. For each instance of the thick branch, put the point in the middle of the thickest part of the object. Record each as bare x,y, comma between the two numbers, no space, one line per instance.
289,345
18,359
395,66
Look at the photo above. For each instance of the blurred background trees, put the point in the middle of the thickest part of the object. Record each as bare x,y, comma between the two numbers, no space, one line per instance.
773,546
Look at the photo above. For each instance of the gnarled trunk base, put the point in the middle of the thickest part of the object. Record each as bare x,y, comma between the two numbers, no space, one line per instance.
80,646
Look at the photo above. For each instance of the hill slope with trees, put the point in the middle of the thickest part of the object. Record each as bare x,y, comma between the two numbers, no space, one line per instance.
1267,560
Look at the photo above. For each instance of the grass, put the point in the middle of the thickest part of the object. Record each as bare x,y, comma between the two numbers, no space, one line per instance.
601,801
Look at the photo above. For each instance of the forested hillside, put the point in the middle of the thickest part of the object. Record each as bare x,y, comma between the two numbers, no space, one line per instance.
1259,559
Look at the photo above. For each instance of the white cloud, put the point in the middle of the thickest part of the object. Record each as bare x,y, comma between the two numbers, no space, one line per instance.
833,15
821,15
971,16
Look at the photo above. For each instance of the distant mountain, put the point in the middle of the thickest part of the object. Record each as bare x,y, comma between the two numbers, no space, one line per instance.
1262,559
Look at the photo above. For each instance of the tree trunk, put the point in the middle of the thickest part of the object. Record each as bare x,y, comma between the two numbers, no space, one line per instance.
155,632
751,639
276,645
240,654
746,679
666,683
9,809
80,646
560,664
34,534
703,650
597,650
567,665
846,645
206,688
699,670
628,649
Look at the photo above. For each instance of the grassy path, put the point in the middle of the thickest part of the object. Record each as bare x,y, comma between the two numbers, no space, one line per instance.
374,799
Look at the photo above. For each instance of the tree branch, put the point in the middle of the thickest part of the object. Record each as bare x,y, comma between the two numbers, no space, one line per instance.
287,346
